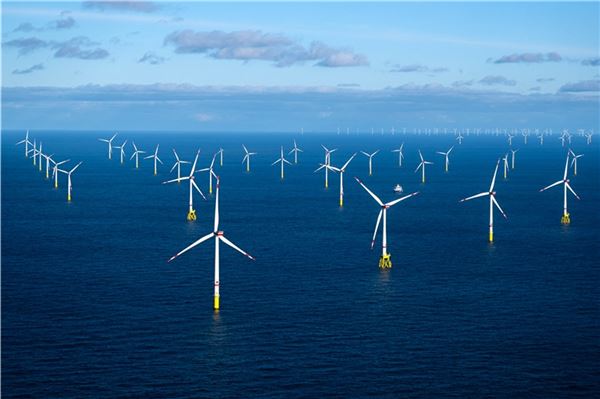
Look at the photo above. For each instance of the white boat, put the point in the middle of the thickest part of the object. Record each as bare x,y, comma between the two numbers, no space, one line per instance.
398,189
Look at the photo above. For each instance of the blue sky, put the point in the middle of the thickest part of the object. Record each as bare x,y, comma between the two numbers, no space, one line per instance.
279,66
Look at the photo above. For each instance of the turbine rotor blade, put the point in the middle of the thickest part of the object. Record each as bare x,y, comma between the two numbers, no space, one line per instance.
192,245
232,245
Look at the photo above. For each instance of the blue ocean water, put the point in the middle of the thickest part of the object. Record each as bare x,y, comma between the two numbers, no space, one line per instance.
91,308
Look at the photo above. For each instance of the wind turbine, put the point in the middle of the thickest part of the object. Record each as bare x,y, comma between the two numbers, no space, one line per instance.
492,194
156,159
34,152
48,160
281,160
221,153
121,149
566,217
210,172
218,236
55,171
400,154
446,155
177,164
40,154
69,185
26,142
296,150
109,141
247,157
327,162
136,154
191,215
422,166
510,137
574,161
385,261
341,171
505,163
370,156
512,160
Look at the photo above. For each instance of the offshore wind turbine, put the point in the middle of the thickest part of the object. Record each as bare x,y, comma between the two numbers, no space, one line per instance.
247,157
296,150
341,171
121,149
136,154
26,143
34,152
512,160
281,160
177,164
422,166
221,155
446,155
69,185
218,236
191,215
40,155
492,194
370,156
55,171
327,162
566,217
109,141
48,160
156,159
385,261
574,161
400,154
510,137
210,173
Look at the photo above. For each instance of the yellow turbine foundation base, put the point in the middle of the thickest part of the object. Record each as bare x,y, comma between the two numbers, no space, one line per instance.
566,219
216,303
385,261
191,216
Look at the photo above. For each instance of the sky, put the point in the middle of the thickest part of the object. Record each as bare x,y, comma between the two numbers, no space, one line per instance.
282,66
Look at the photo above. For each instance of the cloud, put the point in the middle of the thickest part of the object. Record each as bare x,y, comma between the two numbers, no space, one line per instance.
581,86
25,27
255,45
277,108
151,58
491,80
59,24
544,80
416,68
595,61
65,23
33,68
122,5
71,48
463,83
202,117
528,58
26,45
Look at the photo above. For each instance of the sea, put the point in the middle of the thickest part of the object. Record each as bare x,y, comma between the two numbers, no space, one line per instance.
92,309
